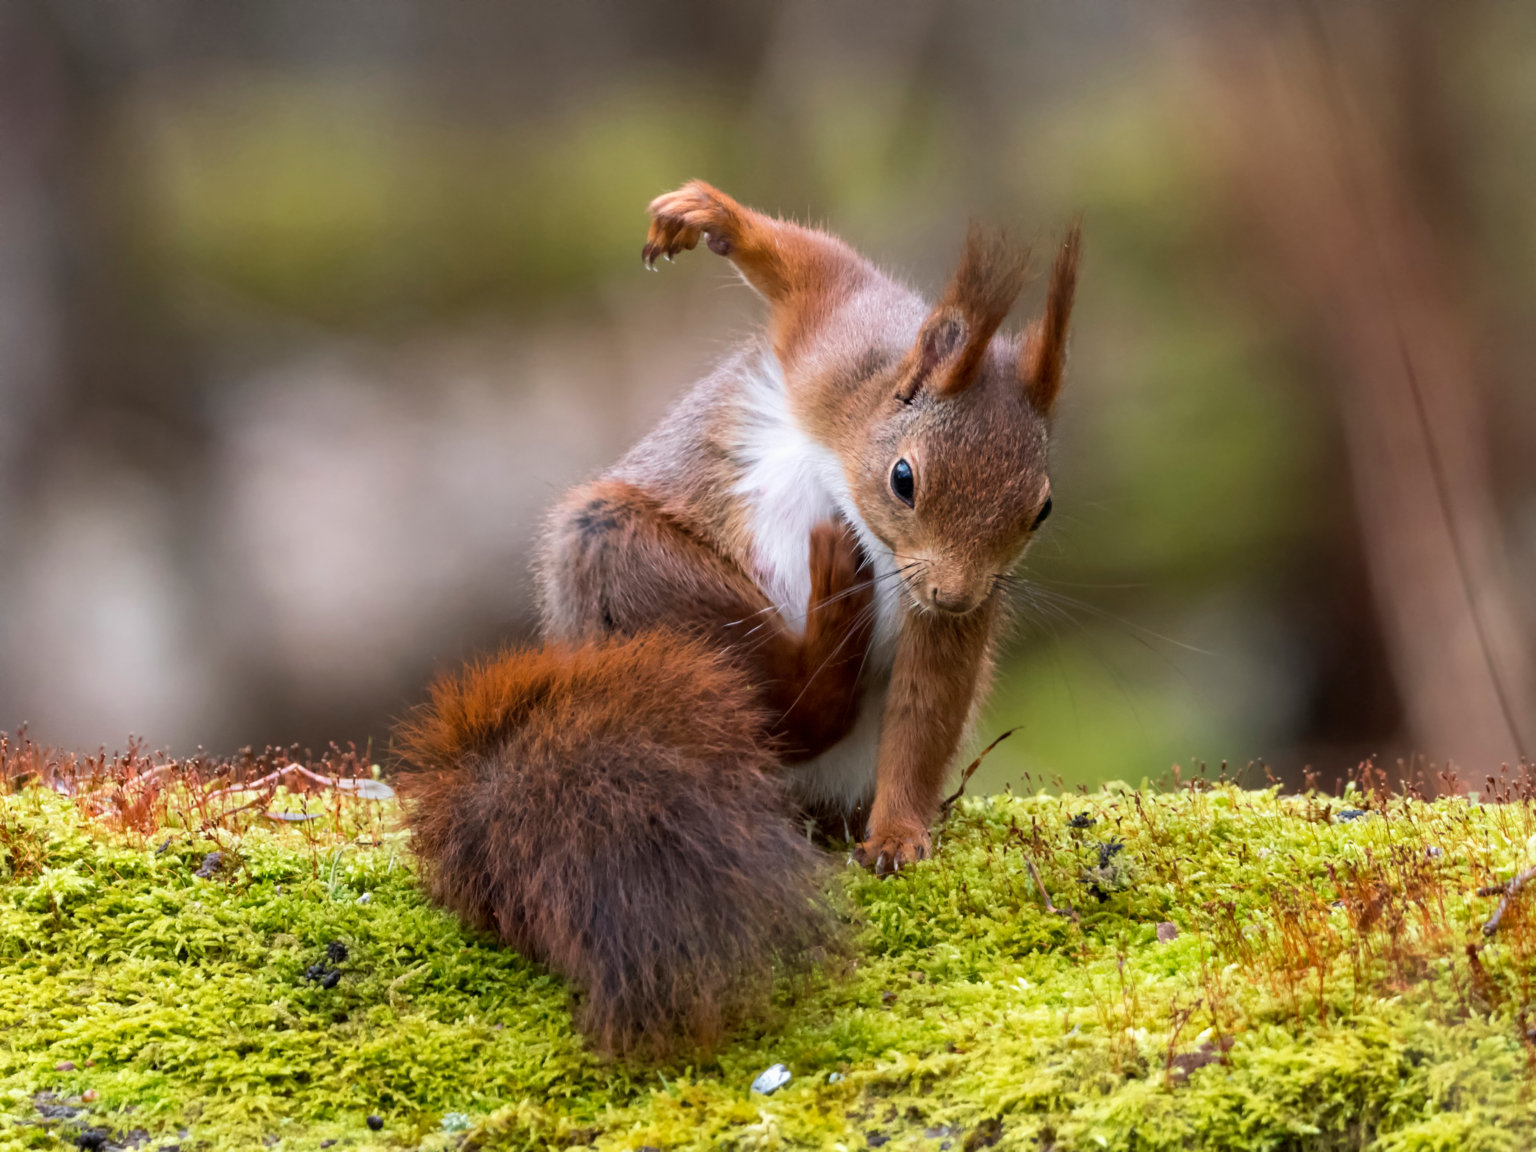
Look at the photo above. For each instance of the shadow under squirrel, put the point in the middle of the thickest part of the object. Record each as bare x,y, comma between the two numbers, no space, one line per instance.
781,603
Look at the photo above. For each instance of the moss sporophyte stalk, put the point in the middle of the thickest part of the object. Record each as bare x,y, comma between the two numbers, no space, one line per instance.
1317,982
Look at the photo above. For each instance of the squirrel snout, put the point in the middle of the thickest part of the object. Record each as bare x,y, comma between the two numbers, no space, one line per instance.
949,602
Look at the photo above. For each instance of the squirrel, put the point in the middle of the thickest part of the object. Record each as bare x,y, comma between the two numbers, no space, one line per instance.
780,605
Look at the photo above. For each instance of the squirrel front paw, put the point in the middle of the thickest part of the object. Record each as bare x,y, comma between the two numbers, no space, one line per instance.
679,218
888,852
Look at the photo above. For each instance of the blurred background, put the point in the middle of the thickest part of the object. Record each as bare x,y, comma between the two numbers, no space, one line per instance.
310,308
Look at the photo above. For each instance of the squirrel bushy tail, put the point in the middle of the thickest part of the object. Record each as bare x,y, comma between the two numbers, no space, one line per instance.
608,810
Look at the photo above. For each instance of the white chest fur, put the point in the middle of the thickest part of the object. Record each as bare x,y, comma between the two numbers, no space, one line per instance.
789,484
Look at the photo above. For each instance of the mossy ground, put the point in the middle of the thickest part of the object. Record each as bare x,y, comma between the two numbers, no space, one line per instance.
1320,992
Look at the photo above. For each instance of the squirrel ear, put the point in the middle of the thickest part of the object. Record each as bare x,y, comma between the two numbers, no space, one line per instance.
942,336
1044,355
955,336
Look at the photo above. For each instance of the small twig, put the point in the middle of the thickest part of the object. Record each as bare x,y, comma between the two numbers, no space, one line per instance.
1510,890
1179,1017
270,781
1035,875
1044,895
364,788
965,777
259,802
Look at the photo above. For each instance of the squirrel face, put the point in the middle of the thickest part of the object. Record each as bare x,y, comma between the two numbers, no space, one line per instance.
955,485
952,474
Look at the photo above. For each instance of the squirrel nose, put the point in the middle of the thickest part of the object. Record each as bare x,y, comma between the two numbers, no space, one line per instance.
955,603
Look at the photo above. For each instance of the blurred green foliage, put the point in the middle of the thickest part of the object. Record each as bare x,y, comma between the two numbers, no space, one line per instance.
1187,477
1187,457
354,207
1201,490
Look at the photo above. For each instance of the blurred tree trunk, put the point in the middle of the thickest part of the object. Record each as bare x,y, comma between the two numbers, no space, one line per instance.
1331,176
99,421
34,157
34,293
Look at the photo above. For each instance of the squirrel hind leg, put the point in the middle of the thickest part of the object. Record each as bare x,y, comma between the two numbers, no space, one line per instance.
617,564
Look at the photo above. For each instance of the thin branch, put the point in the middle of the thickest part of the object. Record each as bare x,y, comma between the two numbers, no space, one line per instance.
1044,895
361,787
970,771
1510,890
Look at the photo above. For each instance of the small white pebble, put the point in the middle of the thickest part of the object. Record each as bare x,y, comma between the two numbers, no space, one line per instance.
771,1080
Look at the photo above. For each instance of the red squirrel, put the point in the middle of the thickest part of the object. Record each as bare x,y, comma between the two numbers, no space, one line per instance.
782,602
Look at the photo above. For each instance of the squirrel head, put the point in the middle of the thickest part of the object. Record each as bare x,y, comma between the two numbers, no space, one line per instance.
951,474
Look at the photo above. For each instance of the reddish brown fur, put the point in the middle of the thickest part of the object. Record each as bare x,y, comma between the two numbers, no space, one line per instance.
973,307
940,664
605,803
1042,363
608,810
803,273
633,566
963,405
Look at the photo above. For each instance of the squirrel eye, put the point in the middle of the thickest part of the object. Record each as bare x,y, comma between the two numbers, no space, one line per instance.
901,482
1045,510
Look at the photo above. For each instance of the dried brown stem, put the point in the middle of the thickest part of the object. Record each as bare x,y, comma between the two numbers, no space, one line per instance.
283,775
1510,890
1044,895
965,777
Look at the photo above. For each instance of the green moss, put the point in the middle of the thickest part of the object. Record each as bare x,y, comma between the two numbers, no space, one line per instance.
1319,993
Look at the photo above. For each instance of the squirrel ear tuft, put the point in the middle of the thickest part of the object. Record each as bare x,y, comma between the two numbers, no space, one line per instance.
955,336
1043,358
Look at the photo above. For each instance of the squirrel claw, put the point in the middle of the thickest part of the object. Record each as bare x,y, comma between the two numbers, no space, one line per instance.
888,855
679,219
